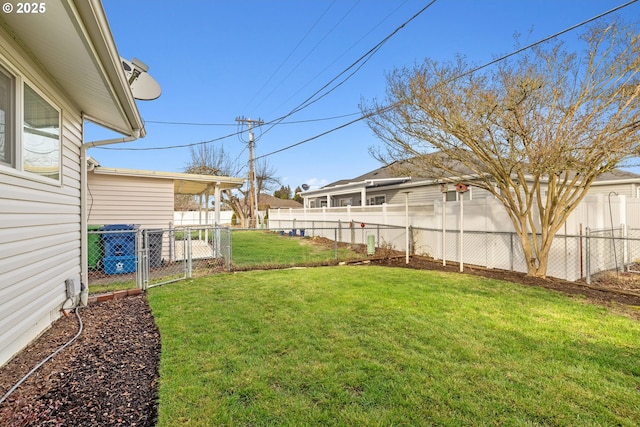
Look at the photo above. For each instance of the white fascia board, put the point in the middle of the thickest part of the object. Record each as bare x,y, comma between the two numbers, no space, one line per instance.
169,175
352,187
100,39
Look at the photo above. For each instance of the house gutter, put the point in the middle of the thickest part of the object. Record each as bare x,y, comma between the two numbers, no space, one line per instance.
84,191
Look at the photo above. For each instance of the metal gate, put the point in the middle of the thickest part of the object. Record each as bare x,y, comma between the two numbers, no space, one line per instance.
127,256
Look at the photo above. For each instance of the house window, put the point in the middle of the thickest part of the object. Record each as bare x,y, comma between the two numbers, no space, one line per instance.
377,200
346,202
7,101
41,136
454,196
35,147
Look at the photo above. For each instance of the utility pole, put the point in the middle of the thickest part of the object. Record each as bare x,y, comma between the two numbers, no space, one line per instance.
253,185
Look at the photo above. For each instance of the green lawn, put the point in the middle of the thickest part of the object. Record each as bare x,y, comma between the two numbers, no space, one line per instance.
268,249
116,285
361,346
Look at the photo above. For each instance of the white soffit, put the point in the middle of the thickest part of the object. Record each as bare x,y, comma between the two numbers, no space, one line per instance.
184,183
72,42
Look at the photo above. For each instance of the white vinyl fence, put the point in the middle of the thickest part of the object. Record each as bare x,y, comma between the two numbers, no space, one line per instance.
477,232
191,218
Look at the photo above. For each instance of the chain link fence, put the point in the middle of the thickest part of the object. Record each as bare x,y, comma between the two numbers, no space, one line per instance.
144,258
571,257
613,249
126,256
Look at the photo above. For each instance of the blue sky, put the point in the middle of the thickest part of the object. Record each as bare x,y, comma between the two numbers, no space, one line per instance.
217,60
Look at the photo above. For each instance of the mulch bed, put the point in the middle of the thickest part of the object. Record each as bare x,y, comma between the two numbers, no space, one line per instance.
109,375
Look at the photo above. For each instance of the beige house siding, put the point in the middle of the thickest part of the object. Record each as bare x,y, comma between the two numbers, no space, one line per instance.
39,224
419,194
621,189
116,199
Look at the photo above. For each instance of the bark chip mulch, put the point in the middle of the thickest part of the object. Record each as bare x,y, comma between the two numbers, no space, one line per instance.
107,377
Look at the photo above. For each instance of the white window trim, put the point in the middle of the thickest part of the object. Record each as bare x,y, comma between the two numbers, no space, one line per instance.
18,125
371,200
348,201
469,194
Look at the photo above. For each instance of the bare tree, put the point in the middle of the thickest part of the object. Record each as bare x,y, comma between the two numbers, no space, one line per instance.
185,202
214,160
266,176
207,159
534,132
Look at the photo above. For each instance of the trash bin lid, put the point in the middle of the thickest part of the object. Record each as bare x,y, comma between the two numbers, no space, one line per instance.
94,227
119,227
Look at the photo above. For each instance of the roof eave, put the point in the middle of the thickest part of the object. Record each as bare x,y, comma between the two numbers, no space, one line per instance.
98,31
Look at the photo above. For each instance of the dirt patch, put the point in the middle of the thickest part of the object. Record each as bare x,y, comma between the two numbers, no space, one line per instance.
107,376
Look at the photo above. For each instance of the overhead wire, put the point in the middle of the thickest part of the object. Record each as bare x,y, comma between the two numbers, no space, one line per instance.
314,48
359,63
287,58
308,101
346,51
188,123
167,147
469,72
235,124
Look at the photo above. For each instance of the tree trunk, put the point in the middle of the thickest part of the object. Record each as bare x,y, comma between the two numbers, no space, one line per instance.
537,263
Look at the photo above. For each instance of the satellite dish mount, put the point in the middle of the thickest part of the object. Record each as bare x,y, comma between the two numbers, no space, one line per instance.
143,86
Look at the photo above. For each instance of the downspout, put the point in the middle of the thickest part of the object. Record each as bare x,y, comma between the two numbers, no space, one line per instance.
84,215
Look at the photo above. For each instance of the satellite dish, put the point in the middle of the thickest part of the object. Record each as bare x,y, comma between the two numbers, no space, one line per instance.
305,187
143,86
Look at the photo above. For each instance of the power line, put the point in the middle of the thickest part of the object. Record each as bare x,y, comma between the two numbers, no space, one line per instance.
189,123
364,58
314,48
344,53
307,102
289,56
168,147
473,70
235,124
301,106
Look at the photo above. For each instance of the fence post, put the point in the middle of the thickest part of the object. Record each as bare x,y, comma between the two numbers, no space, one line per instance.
588,257
411,240
228,254
140,279
352,234
625,247
335,244
189,265
511,249
172,241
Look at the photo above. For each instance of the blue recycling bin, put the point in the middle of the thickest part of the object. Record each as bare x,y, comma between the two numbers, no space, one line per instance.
119,243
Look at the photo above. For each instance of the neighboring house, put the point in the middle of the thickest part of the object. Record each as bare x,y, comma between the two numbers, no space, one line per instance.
267,201
146,198
381,186
58,68
378,187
